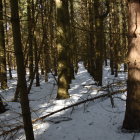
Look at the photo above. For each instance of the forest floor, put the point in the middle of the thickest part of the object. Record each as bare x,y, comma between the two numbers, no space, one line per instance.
98,120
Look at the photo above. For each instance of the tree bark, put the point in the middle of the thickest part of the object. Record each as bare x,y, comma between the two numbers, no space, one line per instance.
21,70
98,43
91,40
132,114
62,47
3,73
30,38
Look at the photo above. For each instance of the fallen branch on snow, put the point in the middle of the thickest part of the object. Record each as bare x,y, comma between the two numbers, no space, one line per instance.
65,108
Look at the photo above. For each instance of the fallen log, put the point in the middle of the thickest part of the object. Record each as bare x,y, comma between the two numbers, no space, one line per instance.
79,103
65,108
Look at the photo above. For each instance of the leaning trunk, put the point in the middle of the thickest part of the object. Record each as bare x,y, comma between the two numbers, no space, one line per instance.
21,71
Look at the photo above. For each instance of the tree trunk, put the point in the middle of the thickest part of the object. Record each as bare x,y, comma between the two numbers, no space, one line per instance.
21,70
36,62
16,95
91,40
132,114
9,57
30,39
74,43
9,65
62,47
2,108
99,43
3,73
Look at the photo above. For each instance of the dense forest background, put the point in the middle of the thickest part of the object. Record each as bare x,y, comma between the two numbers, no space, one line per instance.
38,37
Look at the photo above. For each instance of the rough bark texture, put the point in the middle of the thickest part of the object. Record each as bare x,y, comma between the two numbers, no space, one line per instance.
3,76
21,71
132,115
62,47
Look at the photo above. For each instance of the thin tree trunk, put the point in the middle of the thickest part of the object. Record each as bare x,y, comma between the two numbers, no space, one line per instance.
9,65
9,59
30,38
36,62
21,71
3,73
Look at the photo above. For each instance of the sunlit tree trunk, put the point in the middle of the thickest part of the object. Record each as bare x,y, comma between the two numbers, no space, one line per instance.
3,76
62,47
132,114
21,70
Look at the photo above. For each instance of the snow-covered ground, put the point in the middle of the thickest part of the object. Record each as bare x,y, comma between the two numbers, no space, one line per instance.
96,120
